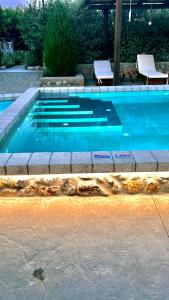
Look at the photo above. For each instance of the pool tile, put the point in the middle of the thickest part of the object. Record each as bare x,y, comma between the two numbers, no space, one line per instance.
162,157
145,161
4,157
144,87
102,162
136,88
80,89
123,161
88,89
104,89
60,162
81,162
72,90
112,89
160,87
39,163
166,87
120,88
96,89
127,88
17,164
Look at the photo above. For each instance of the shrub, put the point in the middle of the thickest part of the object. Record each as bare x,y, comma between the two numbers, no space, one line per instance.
33,58
1,56
60,46
12,59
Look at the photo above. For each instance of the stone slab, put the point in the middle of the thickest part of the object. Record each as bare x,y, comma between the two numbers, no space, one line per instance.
162,157
123,161
39,163
94,249
60,162
145,161
81,162
102,162
162,205
18,164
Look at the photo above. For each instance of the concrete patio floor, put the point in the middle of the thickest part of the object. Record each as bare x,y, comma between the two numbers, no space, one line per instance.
89,248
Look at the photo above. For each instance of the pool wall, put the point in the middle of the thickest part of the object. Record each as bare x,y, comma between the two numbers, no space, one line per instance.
75,162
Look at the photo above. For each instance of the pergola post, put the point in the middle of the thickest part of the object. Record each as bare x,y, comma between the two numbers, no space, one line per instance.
117,41
105,30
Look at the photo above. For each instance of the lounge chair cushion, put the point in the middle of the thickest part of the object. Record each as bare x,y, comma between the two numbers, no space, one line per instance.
102,69
146,66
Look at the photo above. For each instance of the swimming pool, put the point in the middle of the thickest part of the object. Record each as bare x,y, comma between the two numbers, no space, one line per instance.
4,104
93,122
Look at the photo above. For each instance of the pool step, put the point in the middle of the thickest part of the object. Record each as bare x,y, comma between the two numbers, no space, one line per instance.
67,112
53,96
68,124
51,102
74,111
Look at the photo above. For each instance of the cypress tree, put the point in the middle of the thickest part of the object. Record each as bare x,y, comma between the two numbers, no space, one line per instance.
60,47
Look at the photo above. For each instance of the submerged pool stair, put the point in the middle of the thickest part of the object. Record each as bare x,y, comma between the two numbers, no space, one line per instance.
74,112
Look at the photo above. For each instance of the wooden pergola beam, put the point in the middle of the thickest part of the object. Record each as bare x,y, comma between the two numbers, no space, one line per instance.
105,29
117,41
119,5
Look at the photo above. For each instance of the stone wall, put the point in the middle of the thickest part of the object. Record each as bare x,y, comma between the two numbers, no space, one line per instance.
77,80
18,82
84,185
127,69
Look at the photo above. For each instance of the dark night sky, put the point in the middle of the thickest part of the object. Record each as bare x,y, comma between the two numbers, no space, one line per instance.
12,3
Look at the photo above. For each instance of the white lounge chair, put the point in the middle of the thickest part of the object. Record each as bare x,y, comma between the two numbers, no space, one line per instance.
146,67
103,71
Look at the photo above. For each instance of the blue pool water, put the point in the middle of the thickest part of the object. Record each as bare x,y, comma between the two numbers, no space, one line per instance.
94,121
4,104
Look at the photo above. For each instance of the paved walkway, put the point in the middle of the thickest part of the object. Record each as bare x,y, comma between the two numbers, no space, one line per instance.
87,249
17,79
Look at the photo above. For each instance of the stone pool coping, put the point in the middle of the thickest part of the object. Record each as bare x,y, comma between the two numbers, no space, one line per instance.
11,96
76,162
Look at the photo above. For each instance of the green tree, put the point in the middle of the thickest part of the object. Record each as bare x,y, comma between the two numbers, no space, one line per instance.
33,26
60,47
10,26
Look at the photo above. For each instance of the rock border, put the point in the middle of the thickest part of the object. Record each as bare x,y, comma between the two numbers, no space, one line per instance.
88,185
77,80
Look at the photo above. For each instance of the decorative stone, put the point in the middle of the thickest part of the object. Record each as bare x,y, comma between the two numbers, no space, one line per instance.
69,186
164,187
91,190
83,177
1,183
133,186
29,191
163,179
12,183
152,187
54,190
9,192
40,181
115,188
44,191
20,184
120,177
